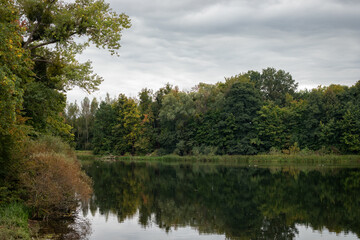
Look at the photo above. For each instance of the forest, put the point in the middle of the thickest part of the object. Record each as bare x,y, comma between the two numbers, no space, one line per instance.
249,113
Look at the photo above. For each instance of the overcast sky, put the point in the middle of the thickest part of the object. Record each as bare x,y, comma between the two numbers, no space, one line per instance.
185,42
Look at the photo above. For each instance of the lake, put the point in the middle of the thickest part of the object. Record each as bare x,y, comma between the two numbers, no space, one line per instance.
208,201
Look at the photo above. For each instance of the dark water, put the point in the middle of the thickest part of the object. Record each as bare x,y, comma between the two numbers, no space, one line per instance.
155,201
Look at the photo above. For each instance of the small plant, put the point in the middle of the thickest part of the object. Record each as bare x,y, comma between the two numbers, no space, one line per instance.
196,151
204,150
274,151
306,152
294,149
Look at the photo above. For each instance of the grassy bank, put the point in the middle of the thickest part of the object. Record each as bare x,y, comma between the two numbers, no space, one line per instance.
14,222
278,159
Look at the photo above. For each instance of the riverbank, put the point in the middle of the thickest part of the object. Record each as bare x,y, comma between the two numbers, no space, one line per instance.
267,159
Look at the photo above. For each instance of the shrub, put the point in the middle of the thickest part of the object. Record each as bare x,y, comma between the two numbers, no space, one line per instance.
53,178
47,144
292,150
204,150
274,151
306,152
159,152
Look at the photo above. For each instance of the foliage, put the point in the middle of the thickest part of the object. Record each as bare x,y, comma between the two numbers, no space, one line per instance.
248,114
350,128
15,71
54,33
274,84
105,120
127,128
242,101
53,178
39,44
14,222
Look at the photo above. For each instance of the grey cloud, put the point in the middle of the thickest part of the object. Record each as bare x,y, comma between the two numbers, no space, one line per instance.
187,42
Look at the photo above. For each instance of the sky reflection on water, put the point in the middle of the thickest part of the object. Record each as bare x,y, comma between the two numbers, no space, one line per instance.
155,201
108,227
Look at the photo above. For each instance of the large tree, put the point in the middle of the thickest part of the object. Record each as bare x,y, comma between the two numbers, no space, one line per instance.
55,32
274,84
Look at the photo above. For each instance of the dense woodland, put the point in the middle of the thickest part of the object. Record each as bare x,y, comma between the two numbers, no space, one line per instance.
250,113
39,42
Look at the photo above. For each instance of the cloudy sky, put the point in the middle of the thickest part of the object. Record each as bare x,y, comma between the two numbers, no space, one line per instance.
190,41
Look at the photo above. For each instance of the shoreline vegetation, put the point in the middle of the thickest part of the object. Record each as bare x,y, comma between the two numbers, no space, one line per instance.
40,177
247,114
86,157
51,185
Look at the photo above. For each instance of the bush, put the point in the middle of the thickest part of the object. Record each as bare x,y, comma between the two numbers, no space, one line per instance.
292,150
306,152
274,151
53,178
159,152
204,150
49,144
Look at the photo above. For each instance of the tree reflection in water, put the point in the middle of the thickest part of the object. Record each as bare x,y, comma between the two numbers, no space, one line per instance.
240,202
70,228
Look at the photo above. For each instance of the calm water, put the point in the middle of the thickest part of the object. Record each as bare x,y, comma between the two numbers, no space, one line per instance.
155,201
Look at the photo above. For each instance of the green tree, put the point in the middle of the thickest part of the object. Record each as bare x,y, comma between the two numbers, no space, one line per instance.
105,120
128,125
350,129
281,127
155,109
176,114
274,84
271,126
242,101
147,138
56,31
324,111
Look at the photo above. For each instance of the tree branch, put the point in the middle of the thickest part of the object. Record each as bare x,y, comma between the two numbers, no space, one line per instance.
43,44
41,60
49,42
30,39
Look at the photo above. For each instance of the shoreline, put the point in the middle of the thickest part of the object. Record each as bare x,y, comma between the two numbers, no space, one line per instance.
328,160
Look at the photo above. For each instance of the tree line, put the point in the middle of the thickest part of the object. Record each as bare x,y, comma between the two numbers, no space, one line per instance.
250,113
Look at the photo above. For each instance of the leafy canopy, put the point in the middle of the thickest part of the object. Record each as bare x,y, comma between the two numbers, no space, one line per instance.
58,30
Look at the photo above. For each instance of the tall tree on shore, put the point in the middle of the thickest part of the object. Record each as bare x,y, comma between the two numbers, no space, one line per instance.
56,31
105,120
242,101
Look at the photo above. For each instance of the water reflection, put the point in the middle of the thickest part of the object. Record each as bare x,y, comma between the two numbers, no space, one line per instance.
70,228
236,202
